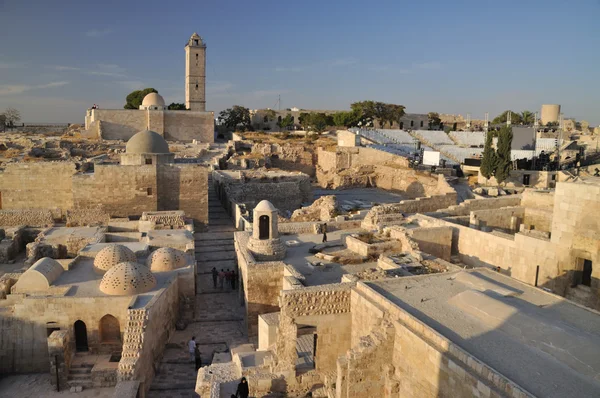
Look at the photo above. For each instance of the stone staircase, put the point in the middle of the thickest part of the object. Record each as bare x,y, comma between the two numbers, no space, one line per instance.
80,375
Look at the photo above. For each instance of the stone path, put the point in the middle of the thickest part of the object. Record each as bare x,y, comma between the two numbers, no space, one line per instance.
218,319
37,385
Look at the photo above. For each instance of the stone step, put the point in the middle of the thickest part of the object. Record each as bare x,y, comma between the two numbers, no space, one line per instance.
211,236
173,386
80,377
214,249
82,370
80,383
211,243
221,222
215,256
204,267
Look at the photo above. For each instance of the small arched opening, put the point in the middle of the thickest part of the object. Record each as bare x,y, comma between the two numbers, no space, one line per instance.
263,227
110,332
401,125
81,340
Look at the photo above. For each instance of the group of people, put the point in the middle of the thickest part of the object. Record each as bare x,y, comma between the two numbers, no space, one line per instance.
242,389
95,106
224,277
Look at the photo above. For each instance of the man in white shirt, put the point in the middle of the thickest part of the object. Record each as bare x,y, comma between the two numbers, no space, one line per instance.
192,348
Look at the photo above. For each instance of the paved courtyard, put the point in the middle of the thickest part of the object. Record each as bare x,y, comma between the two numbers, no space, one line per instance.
37,385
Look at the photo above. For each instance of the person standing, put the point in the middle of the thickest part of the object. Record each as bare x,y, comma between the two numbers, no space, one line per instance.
215,275
192,348
221,278
228,278
242,389
233,279
324,233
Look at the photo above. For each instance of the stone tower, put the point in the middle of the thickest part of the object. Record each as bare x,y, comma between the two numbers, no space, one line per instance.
195,74
264,243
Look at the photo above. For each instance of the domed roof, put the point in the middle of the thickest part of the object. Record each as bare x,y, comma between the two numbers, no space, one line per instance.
147,142
265,205
111,256
153,99
127,278
166,259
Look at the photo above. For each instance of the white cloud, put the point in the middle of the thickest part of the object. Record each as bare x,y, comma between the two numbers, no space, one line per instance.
428,65
98,32
64,68
341,62
289,69
21,88
109,70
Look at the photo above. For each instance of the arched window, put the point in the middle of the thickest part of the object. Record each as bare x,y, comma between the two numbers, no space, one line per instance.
412,123
421,123
401,125
109,329
196,86
263,227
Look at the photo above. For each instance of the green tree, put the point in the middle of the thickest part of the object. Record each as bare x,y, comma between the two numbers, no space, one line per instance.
174,106
504,162
346,119
286,122
12,116
552,124
236,118
135,98
488,161
305,119
433,119
527,117
515,118
384,113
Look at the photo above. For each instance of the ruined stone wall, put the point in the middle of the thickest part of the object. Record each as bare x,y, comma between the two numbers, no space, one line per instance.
86,217
120,124
151,327
40,185
410,182
291,157
499,218
537,179
436,241
184,187
311,227
23,341
466,207
285,195
516,255
542,200
538,219
325,307
29,217
120,191
413,361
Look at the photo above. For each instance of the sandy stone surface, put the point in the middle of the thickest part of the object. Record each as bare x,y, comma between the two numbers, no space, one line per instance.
38,385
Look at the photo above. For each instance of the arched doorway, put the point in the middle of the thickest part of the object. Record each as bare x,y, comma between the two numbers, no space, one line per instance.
263,227
110,332
81,341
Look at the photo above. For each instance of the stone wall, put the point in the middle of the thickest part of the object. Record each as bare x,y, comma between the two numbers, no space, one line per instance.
60,354
121,191
23,341
436,241
348,138
505,218
86,217
537,179
542,200
28,217
261,283
290,157
407,358
466,207
40,185
149,329
122,124
312,227
184,188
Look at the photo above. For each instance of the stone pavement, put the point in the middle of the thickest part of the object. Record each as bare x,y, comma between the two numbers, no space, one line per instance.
219,318
37,385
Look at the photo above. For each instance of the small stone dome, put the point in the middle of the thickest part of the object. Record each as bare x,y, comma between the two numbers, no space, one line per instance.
166,259
153,99
147,142
127,278
265,205
111,256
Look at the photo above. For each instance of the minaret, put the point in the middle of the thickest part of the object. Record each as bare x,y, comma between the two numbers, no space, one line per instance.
195,74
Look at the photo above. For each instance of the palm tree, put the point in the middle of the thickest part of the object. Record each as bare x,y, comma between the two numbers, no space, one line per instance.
527,117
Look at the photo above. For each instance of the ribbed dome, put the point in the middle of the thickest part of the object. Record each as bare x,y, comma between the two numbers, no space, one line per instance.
111,256
147,142
166,259
126,279
265,205
153,99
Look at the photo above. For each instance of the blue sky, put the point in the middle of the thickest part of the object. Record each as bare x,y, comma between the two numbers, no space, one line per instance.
59,57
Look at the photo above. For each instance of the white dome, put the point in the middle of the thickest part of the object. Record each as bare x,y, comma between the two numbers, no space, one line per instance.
265,205
126,279
166,259
111,256
153,99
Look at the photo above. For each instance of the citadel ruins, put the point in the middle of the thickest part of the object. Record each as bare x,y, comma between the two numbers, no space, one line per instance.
357,271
